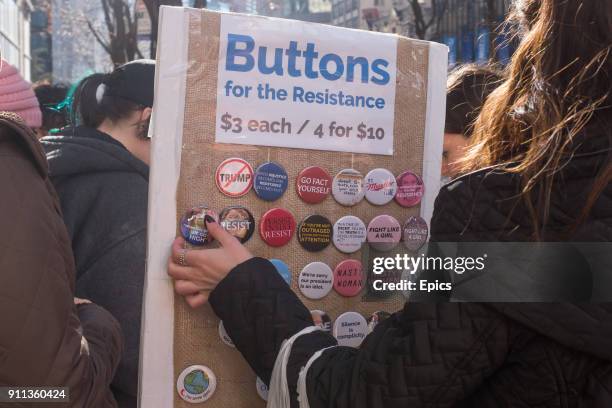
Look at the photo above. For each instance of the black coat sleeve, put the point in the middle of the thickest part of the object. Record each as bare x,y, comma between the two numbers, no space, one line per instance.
425,355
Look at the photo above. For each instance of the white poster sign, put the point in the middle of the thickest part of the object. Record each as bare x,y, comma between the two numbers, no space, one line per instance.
291,84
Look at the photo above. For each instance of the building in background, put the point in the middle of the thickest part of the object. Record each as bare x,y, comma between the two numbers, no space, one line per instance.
15,34
40,41
317,11
373,15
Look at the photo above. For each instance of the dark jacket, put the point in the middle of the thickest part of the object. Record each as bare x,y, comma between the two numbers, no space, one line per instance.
447,354
103,192
45,340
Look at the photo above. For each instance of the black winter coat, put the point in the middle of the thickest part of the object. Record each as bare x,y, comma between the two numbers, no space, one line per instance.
447,354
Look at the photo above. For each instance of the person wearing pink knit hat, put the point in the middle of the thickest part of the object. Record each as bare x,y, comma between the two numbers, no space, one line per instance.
17,96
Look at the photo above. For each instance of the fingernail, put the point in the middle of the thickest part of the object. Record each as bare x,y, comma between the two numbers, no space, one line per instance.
209,219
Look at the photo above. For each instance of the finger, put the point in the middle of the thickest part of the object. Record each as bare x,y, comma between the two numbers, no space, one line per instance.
219,233
179,272
186,288
195,301
178,248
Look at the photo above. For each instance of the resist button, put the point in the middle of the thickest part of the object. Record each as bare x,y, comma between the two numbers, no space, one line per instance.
277,227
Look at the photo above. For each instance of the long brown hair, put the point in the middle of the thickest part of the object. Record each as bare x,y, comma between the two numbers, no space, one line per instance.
557,83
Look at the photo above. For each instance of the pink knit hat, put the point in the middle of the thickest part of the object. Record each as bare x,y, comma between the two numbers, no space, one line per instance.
17,96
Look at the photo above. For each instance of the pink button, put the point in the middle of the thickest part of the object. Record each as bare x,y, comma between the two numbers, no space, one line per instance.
384,233
348,278
415,233
410,189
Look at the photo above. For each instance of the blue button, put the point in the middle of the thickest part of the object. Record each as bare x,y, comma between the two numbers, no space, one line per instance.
282,269
270,181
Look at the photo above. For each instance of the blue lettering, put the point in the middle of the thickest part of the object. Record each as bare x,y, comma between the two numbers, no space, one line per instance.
383,78
324,67
233,52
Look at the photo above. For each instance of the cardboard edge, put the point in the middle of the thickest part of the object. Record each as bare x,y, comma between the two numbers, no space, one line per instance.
156,374
434,127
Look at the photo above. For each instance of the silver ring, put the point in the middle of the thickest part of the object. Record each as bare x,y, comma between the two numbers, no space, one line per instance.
182,256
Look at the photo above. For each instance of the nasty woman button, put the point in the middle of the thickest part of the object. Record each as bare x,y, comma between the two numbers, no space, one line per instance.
270,181
380,186
347,187
321,319
196,383
410,189
277,227
225,338
193,226
238,221
283,269
415,233
313,184
350,329
348,277
315,233
349,234
234,177
384,233
262,389
316,280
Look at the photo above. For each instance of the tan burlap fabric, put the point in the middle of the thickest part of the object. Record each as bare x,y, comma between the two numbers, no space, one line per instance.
196,339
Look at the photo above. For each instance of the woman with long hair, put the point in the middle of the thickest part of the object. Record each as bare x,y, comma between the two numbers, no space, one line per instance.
539,170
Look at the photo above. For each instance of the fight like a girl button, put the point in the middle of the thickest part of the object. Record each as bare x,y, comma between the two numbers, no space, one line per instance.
410,189
384,233
270,182
349,234
234,177
193,226
380,186
196,383
415,233
350,329
348,188
277,227
313,184
316,280
348,277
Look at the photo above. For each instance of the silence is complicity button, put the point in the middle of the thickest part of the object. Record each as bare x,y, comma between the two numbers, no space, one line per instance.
350,329
234,177
316,280
313,184
277,227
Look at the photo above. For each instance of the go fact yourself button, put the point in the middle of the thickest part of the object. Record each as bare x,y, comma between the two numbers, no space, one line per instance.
380,186
234,177
196,384
384,233
316,280
315,233
270,181
277,227
347,187
193,226
238,221
313,184
350,329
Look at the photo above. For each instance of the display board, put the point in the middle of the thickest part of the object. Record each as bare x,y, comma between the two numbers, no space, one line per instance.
288,132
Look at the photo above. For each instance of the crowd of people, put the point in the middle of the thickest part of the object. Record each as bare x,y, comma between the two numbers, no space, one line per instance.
527,158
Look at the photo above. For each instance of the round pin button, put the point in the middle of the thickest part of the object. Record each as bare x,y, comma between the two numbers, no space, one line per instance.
348,277
234,177
270,181
238,221
321,319
193,226
316,280
384,233
347,187
283,269
277,227
415,233
315,233
410,189
313,184
262,389
380,186
225,338
196,383
376,318
349,234
350,329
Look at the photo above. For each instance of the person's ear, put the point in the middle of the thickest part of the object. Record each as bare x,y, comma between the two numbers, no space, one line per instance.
146,113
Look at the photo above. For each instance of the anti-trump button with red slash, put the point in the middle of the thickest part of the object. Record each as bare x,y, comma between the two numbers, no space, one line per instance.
234,177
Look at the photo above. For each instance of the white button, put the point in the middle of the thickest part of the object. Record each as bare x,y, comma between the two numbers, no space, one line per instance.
349,234
380,186
347,187
196,383
225,338
316,280
262,389
350,329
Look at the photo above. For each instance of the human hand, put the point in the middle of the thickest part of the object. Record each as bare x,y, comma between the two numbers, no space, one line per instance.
197,272
79,301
